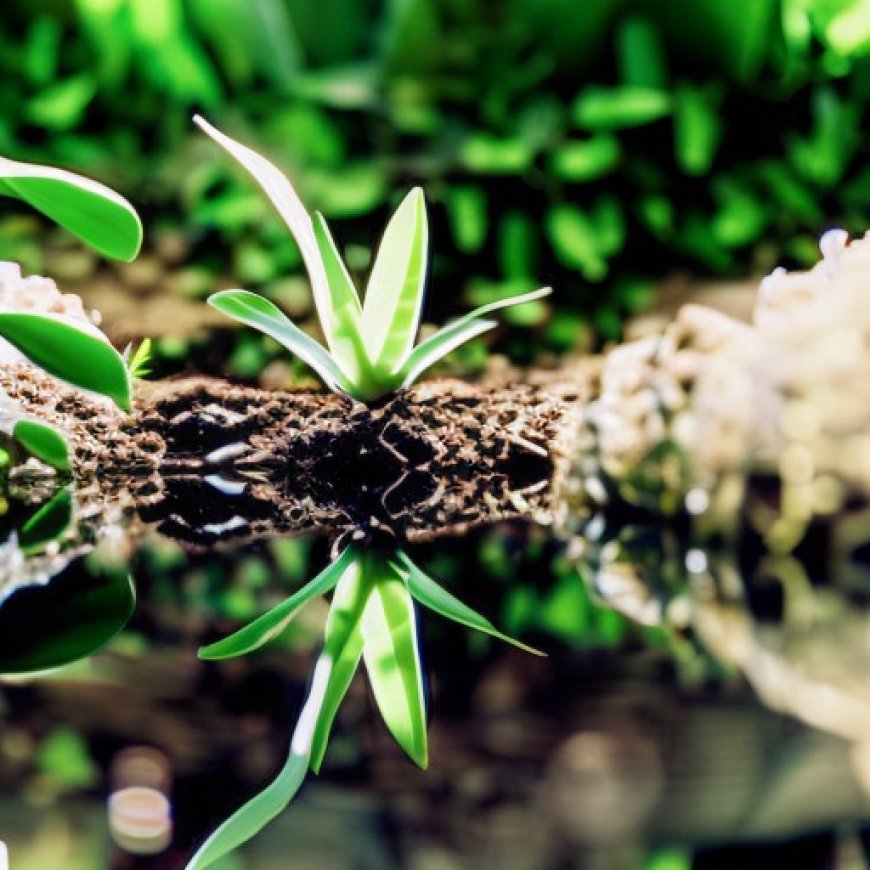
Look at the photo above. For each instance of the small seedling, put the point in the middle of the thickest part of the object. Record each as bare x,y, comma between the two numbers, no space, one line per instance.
371,349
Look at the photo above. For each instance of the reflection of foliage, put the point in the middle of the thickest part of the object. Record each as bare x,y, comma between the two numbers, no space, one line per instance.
372,617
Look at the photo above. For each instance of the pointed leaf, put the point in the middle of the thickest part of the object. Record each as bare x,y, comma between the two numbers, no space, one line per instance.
437,346
48,523
90,210
347,341
394,297
44,442
457,332
392,658
250,819
285,199
262,314
430,594
271,624
342,648
71,350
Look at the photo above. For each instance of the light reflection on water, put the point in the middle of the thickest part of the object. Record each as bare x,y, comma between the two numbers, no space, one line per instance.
681,754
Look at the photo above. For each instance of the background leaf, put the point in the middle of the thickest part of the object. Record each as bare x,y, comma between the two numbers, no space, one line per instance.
90,210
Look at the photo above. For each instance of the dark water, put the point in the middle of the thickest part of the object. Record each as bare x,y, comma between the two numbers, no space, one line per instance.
723,726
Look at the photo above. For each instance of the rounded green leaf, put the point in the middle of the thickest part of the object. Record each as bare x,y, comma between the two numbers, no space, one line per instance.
90,210
44,442
48,523
598,108
70,350
71,617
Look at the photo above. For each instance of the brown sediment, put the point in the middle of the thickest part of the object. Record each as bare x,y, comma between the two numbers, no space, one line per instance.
208,461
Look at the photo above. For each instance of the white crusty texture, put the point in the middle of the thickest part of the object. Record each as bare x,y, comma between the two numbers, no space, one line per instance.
38,295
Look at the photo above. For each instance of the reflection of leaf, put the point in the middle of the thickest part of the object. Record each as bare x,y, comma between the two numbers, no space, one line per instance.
67,619
392,658
48,523
71,350
273,622
44,442
436,598
254,815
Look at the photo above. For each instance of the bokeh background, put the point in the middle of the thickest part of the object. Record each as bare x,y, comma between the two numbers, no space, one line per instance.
631,155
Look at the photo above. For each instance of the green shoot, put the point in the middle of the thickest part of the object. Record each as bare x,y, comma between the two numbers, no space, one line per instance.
371,344
140,359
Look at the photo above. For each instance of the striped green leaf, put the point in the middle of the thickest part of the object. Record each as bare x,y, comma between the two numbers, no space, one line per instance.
430,594
90,210
392,657
264,315
394,297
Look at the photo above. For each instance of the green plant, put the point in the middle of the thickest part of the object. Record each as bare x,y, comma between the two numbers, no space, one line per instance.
371,342
372,615
371,618
70,348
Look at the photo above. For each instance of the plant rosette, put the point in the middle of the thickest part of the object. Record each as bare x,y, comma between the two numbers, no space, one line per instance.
370,343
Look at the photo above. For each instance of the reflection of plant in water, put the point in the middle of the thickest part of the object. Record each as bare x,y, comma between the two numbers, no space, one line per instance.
46,627
372,615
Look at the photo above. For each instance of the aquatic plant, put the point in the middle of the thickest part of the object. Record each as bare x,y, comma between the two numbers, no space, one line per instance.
371,341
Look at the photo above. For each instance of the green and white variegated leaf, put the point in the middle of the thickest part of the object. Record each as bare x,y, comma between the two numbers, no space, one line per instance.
90,210
430,594
70,349
437,346
342,649
456,333
264,315
348,345
268,626
394,297
332,675
392,657
285,199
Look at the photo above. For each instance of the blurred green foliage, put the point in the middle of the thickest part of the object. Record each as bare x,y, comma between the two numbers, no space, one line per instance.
591,146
